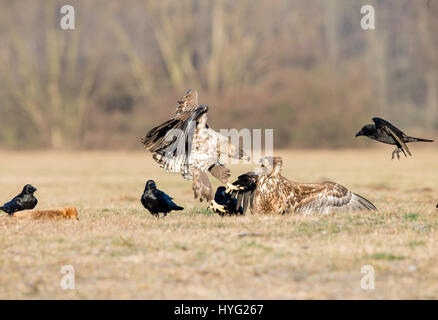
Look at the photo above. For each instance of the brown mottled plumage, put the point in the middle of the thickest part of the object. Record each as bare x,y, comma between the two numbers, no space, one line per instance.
186,145
188,102
274,194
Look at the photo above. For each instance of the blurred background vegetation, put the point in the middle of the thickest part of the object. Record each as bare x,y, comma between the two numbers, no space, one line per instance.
304,68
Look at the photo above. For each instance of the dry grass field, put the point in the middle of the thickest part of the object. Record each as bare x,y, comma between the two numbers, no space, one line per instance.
119,250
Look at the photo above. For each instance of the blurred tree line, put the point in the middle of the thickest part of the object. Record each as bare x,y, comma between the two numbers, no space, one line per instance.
304,68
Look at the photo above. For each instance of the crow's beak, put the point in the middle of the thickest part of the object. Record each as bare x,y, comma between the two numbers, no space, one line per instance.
360,133
34,189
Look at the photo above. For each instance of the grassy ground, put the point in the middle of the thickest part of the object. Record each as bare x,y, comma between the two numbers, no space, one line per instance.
119,250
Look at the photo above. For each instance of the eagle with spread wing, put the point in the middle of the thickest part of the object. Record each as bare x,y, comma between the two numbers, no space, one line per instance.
268,192
185,144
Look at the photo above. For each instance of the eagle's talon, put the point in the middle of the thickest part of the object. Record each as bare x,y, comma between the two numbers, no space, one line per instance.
217,207
231,187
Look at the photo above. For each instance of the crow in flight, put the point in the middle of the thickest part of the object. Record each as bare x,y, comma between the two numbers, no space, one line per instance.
157,201
24,201
385,132
227,203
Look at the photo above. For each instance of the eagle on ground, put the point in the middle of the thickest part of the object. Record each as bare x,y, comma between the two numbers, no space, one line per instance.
268,192
185,144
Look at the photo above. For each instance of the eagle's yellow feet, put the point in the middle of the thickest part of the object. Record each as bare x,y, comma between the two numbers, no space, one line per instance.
231,187
216,207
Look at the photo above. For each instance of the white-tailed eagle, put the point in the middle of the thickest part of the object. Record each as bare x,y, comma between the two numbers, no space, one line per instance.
185,144
268,192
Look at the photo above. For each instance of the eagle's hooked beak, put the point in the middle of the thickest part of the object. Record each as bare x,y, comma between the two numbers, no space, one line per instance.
203,109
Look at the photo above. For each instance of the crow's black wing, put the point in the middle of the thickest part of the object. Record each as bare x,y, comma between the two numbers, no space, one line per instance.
13,206
383,123
233,206
394,132
165,198
247,183
162,196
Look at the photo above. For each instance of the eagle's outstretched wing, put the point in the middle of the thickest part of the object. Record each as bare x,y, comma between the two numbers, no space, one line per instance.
187,109
170,142
188,102
326,197
394,132
185,144
271,193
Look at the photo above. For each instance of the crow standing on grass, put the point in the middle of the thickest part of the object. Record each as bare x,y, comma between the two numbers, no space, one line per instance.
157,201
24,201
385,132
